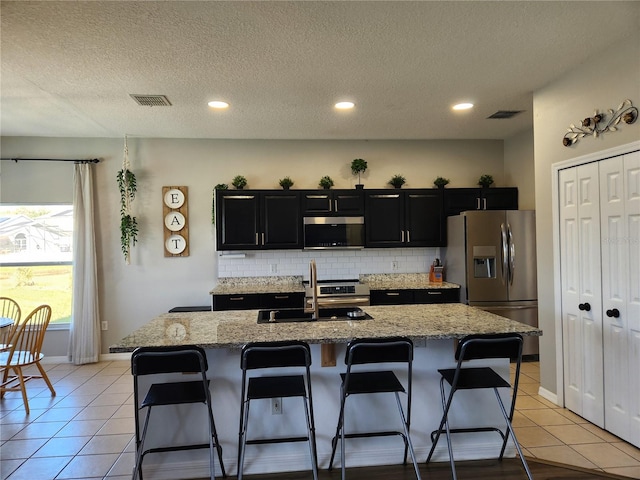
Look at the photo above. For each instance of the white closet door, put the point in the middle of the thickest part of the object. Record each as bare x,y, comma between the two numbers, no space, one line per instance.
581,291
620,230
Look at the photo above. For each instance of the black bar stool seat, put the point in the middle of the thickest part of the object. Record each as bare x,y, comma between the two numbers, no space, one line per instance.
478,347
273,355
185,359
367,351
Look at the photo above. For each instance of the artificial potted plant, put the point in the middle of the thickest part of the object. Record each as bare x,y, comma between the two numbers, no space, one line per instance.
397,181
239,182
286,183
358,166
326,182
440,182
485,181
220,186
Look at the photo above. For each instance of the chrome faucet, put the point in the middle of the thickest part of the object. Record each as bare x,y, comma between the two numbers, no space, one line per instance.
313,285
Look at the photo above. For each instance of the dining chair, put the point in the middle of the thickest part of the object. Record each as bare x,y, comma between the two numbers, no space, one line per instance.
9,310
25,350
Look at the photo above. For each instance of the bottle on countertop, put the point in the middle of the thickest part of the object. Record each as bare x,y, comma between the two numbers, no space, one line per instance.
436,271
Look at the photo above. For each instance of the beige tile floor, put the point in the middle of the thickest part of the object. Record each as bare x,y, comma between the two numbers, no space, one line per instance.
86,431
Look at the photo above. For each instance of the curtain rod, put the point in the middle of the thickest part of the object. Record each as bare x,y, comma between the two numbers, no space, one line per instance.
93,160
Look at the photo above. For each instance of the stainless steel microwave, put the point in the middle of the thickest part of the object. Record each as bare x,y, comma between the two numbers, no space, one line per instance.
333,232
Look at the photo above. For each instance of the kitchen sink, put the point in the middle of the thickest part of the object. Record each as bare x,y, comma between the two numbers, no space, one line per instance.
290,315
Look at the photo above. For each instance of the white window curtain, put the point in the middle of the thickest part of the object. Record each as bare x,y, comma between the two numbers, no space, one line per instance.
84,335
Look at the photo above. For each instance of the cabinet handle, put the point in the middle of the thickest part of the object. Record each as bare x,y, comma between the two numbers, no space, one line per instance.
393,294
385,196
257,239
585,306
281,297
262,238
408,236
615,313
484,202
478,203
402,235
236,299
434,293
335,205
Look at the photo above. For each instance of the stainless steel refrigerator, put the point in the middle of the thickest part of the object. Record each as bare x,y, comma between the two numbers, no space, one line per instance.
492,255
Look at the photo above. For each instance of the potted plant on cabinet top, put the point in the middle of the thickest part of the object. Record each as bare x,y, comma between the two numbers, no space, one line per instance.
239,182
440,182
397,181
326,182
286,183
358,166
485,181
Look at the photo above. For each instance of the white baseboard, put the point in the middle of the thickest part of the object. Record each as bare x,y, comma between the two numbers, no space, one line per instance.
280,463
107,357
548,395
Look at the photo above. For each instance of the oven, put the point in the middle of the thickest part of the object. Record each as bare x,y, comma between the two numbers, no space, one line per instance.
339,293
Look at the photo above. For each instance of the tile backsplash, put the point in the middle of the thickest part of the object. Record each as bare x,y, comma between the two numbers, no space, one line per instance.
332,264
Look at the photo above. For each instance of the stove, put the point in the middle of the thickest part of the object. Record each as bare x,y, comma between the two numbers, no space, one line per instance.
331,293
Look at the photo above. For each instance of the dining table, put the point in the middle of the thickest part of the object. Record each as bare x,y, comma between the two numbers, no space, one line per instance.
6,325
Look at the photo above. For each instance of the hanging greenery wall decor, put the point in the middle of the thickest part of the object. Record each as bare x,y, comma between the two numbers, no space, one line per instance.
128,224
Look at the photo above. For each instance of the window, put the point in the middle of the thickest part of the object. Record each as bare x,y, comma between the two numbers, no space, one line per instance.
36,257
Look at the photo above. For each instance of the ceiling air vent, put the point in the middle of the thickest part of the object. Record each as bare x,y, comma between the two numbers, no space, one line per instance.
151,100
505,114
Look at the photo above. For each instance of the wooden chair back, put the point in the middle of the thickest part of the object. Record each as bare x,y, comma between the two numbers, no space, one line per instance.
9,308
26,344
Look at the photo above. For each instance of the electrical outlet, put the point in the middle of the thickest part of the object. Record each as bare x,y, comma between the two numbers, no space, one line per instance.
105,325
276,406
394,265
274,267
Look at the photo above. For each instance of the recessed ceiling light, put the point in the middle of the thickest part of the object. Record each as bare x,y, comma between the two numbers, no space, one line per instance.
218,104
463,106
344,105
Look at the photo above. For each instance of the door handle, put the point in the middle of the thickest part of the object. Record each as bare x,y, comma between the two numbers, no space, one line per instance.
512,255
505,253
615,313
585,307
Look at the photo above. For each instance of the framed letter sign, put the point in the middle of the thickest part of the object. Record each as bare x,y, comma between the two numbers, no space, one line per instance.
176,224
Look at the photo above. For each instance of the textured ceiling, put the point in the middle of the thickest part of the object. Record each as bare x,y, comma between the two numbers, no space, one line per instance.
68,68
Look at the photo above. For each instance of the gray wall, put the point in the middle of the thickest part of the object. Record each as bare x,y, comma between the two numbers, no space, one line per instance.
602,83
132,295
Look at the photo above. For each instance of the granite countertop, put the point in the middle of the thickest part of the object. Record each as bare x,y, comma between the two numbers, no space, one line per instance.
291,284
402,281
275,284
232,329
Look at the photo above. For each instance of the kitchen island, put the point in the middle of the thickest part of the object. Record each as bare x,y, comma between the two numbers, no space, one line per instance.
433,328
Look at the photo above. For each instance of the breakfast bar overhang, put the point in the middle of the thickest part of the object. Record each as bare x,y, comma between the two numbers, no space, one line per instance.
434,330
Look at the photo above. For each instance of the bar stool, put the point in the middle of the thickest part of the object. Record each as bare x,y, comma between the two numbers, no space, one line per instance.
271,355
175,359
368,351
477,347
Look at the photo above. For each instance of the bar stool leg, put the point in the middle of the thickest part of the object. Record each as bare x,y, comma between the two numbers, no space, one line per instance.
408,443
312,447
243,440
137,470
513,437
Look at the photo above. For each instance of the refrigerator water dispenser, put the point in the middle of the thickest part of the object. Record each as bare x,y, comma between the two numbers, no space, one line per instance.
484,262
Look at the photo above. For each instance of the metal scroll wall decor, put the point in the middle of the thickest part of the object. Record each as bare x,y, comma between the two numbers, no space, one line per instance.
600,123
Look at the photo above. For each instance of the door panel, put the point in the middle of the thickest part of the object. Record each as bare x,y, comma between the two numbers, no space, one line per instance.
620,212
523,279
485,282
580,266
